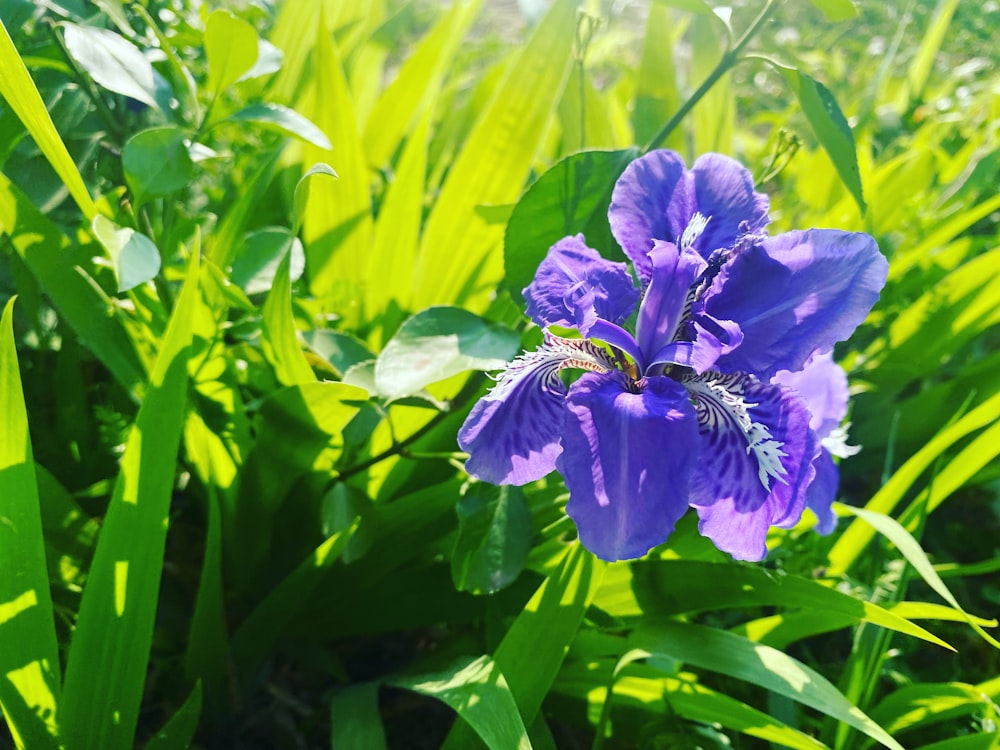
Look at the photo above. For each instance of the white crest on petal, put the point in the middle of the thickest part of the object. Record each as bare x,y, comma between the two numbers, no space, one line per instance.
720,405
544,364
693,230
836,442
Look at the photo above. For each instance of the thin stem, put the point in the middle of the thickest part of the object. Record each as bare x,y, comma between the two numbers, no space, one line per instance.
729,59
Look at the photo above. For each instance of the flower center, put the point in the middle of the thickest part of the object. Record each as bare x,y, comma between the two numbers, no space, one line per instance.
693,230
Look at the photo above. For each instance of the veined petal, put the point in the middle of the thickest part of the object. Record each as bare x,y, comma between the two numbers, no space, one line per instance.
574,286
822,384
672,272
756,460
513,433
629,452
795,294
707,208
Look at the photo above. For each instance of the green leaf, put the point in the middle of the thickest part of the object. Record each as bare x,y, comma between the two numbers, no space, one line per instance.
19,90
930,45
478,692
657,95
926,703
179,730
437,343
494,536
829,125
571,197
458,257
301,197
278,339
836,10
134,257
355,723
282,119
29,658
713,118
691,6
985,741
156,162
729,654
231,49
108,657
263,251
112,61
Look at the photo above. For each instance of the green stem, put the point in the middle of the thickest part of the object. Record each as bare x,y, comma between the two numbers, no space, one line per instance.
728,61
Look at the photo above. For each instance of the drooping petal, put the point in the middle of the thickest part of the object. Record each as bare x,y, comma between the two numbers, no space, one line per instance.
822,384
756,460
707,208
574,286
629,452
513,433
672,273
795,294
822,491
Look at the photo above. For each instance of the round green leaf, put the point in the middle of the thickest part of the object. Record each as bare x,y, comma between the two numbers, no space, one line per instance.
134,257
157,162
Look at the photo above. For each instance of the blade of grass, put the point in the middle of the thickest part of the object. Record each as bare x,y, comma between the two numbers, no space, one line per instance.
108,656
29,658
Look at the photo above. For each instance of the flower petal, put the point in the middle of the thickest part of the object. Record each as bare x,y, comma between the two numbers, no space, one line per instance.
756,461
629,452
822,384
795,294
672,273
822,491
574,286
513,433
656,198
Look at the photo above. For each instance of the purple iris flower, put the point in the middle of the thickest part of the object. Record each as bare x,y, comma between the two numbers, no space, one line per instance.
699,386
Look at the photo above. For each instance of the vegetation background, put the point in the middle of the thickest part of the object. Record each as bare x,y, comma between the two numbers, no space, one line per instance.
263,253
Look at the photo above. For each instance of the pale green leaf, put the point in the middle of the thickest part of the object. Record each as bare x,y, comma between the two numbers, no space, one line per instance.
112,61
283,119
279,340
134,257
231,49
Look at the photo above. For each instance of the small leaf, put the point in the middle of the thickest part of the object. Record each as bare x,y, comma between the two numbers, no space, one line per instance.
279,340
134,257
255,268
283,119
437,343
112,61
829,125
231,49
836,10
494,537
302,190
156,162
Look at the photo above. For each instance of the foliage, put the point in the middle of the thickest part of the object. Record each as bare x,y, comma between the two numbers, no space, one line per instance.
262,254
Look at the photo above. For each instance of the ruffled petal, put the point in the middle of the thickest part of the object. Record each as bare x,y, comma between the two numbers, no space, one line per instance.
822,384
724,194
513,433
795,294
574,286
629,452
672,273
756,461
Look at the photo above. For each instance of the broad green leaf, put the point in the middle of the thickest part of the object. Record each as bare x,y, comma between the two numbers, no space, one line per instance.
985,741
926,703
282,119
156,162
355,723
279,340
437,343
134,257
571,197
112,61
269,59
657,95
108,656
479,693
532,652
19,90
830,126
836,10
80,302
494,535
231,49
729,654
458,249
713,118
263,252
415,86
341,350
179,730
29,658
684,586
910,549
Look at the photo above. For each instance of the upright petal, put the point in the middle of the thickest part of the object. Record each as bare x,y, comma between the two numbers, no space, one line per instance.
574,286
513,433
756,461
723,192
795,294
629,452
672,273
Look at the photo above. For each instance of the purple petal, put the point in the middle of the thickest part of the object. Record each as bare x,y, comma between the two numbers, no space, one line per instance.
656,198
574,286
822,384
795,294
672,274
513,433
822,491
756,461
629,452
